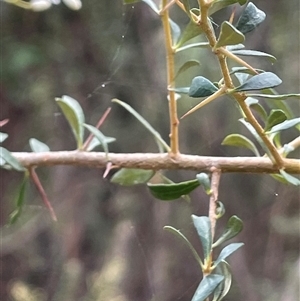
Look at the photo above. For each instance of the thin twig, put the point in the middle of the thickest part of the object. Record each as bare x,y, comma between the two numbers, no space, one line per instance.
100,122
42,192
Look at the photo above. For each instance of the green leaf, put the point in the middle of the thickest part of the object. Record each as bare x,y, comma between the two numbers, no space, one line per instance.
284,125
187,65
75,116
186,241
250,18
220,4
241,76
256,136
13,217
275,117
207,286
223,288
259,82
98,135
191,31
290,179
193,45
145,123
3,136
241,141
201,87
204,180
255,105
168,192
10,159
276,96
220,210
203,227
229,35
233,228
254,53
38,146
235,47
245,70
131,176
228,250
95,142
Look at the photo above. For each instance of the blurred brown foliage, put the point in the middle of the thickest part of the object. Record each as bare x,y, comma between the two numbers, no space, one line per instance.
108,243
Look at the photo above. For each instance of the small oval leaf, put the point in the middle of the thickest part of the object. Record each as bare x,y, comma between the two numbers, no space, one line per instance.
13,217
98,134
217,5
3,136
193,45
255,53
284,125
131,176
255,105
186,241
260,81
38,146
207,286
203,227
95,142
10,159
275,117
250,18
145,123
228,250
234,227
242,141
220,210
187,65
168,192
290,179
276,96
223,288
75,116
191,31
204,180
229,35
201,87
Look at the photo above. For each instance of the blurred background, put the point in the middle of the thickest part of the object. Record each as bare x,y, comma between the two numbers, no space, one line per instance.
109,243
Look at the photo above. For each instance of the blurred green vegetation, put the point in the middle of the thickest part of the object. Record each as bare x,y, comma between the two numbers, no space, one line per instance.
108,243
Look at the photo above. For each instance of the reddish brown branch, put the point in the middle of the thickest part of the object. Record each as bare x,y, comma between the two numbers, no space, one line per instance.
42,192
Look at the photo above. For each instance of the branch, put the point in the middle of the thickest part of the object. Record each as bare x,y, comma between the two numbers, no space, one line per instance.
215,181
156,161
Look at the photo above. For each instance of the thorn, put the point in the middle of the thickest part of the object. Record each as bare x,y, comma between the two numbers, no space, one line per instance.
4,122
107,169
232,15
